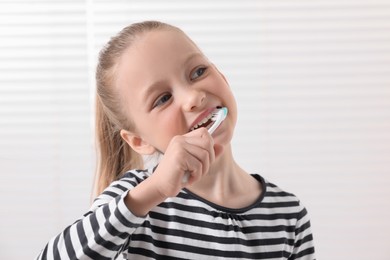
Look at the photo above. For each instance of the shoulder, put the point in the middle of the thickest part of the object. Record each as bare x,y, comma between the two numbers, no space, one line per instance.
274,191
278,199
129,180
289,207
136,176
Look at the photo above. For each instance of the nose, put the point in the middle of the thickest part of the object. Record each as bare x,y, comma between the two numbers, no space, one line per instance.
194,98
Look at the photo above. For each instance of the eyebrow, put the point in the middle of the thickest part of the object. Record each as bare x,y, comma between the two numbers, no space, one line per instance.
192,56
151,88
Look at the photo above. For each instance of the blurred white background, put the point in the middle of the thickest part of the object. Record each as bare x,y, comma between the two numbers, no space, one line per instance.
312,82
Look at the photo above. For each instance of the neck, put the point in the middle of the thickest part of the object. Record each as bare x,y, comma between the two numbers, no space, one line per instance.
226,184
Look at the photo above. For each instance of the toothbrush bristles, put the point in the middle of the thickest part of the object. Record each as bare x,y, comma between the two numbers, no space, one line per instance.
218,117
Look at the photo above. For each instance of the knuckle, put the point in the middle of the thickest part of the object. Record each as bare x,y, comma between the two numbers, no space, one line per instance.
200,168
203,130
176,139
205,155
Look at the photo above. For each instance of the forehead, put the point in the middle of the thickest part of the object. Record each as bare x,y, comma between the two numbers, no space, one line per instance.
166,44
165,35
154,54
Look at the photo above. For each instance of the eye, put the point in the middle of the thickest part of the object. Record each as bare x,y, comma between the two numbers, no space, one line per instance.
162,100
198,73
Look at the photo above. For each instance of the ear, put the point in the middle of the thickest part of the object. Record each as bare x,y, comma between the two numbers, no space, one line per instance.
137,143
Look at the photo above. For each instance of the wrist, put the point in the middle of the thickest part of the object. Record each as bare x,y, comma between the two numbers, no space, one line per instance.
144,197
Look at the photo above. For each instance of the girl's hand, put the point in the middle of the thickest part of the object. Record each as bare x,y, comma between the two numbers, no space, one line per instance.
191,154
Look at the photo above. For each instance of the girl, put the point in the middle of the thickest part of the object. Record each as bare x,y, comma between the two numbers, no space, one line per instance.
155,93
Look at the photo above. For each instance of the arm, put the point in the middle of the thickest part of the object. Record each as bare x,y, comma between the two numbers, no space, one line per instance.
303,244
101,232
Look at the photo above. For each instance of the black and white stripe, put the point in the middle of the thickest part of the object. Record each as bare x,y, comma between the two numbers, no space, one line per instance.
187,227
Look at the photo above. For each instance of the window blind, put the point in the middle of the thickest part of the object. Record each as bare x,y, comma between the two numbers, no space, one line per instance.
311,79
46,157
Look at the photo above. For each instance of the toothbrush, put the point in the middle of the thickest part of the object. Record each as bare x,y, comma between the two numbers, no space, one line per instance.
218,116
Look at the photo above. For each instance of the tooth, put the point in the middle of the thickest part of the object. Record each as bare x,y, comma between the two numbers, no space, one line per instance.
203,121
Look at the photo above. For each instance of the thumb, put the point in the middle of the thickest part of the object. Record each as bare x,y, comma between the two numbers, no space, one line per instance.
218,149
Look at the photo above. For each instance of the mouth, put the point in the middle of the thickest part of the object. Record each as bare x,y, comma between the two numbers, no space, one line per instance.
205,122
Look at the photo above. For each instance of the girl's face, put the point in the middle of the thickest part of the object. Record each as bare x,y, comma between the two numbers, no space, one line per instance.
167,85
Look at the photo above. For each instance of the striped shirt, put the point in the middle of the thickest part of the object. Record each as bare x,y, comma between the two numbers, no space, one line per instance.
276,226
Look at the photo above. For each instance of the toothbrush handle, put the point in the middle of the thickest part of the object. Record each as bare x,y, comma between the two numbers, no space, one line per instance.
186,177
213,127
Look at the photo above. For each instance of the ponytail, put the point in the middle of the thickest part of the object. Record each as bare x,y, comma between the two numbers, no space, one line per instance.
115,156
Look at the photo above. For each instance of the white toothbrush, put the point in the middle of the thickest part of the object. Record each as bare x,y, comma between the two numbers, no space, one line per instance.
218,116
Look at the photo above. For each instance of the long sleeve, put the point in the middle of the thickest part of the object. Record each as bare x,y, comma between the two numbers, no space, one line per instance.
102,232
303,244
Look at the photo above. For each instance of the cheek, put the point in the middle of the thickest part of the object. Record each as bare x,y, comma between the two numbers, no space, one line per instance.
164,127
233,108
228,97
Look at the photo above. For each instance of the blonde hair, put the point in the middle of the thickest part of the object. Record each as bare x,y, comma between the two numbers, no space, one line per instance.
114,156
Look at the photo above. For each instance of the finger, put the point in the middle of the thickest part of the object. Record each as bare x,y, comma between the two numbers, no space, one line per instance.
206,147
200,155
194,172
218,149
191,156
204,140
197,132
